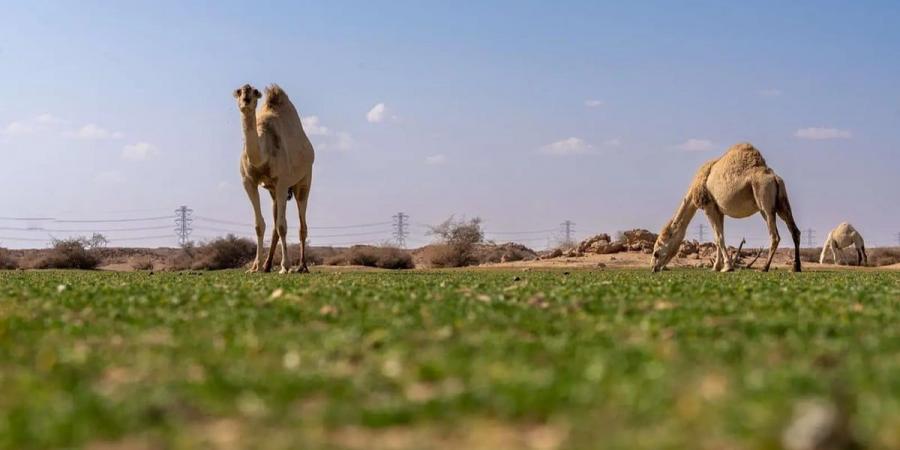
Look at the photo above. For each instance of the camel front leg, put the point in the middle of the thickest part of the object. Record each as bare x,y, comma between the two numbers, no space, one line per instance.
302,195
717,222
260,227
267,266
280,201
825,250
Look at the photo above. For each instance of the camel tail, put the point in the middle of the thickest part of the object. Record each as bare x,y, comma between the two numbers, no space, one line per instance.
290,193
783,208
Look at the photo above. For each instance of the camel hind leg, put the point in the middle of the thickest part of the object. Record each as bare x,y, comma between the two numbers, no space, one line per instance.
783,208
301,194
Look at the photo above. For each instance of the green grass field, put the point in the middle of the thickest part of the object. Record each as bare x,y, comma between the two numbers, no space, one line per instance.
455,359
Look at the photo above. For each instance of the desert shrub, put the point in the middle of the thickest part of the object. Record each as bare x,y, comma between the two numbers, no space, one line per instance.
394,258
71,253
459,239
141,263
810,254
370,256
229,252
7,262
884,256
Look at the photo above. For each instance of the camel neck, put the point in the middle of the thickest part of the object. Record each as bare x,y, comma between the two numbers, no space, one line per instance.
683,216
251,139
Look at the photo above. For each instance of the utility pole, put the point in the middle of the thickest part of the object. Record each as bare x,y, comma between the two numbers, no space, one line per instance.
810,235
568,229
700,232
183,222
401,222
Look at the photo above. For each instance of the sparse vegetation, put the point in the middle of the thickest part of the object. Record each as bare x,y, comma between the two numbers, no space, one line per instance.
459,239
229,252
7,261
74,253
370,256
141,263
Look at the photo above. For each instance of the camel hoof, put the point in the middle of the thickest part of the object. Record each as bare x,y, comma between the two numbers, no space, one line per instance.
251,270
303,269
267,268
283,270
727,269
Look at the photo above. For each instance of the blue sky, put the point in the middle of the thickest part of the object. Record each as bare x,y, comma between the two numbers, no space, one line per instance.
523,113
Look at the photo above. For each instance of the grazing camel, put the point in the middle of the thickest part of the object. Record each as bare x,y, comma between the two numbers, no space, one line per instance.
841,237
738,184
277,155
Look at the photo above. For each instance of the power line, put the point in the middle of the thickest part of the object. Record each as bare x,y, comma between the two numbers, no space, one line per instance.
183,222
700,232
810,233
401,230
335,227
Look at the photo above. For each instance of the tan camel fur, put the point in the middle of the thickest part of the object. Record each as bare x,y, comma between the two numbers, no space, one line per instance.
843,236
278,156
738,184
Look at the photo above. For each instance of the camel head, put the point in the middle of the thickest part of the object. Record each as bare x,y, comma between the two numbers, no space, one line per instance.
666,247
247,97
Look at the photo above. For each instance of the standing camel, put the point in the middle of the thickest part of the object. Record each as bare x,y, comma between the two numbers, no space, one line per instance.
277,155
738,184
841,237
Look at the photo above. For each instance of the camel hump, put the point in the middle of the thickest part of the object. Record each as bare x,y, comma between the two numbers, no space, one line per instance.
276,97
743,156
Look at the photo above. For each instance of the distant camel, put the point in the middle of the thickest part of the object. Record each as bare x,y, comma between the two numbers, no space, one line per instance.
841,237
738,184
277,155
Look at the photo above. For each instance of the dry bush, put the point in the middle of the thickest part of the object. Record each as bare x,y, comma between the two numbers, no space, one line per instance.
370,256
229,252
69,254
7,262
884,256
141,263
459,241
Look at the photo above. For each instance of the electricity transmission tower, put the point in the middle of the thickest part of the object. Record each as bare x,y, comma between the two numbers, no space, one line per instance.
700,232
401,222
810,234
568,229
183,222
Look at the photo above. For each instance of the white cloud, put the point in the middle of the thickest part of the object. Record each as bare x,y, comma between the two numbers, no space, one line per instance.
614,142
140,151
770,92
17,128
43,122
343,141
94,132
435,160
109,177
593,103
313,127
821,133
566,147
377,113
695,145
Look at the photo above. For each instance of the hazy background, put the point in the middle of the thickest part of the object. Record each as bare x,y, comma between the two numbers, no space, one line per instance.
523,113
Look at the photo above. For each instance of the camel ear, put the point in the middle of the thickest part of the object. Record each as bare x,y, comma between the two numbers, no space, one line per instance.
256,93
236,93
